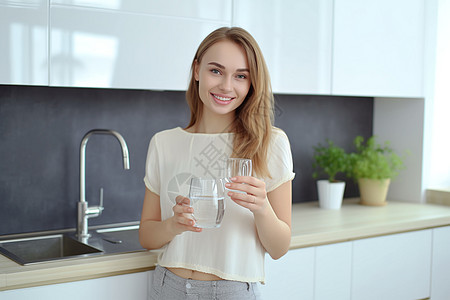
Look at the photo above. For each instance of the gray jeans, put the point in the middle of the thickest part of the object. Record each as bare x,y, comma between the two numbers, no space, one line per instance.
166,285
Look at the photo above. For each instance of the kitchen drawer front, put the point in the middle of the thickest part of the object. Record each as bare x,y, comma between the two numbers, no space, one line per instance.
290,277
131,286
392,267
440,290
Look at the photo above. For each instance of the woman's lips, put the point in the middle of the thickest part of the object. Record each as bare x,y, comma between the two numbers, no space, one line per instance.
223,100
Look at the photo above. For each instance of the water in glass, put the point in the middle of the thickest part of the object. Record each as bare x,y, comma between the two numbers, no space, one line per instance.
207,200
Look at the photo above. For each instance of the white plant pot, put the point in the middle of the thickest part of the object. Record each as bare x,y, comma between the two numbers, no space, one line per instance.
330,194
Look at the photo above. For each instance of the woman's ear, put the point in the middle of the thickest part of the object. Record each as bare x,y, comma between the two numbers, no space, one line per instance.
196,67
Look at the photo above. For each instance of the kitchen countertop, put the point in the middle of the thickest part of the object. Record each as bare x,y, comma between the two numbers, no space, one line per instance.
311,226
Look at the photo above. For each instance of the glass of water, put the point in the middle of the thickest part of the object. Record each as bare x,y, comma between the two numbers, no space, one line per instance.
207,200
238,167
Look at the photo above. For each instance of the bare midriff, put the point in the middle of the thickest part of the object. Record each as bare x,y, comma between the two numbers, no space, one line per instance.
192,274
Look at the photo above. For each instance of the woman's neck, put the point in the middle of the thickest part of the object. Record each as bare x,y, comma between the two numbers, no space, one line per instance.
213,124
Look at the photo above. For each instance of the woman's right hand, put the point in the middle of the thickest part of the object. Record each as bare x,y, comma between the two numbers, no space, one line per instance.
155,233
182,220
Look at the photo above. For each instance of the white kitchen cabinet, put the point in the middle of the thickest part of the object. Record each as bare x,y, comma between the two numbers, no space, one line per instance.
295,38
198,9
339,47
378,48
23,35
131,286
392,267
440,290
116,49
333,272
291,276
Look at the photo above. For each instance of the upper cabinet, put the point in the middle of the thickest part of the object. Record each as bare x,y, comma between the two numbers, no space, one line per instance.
140,44
295,39
378,48
23,35
340,47
198,9
328,47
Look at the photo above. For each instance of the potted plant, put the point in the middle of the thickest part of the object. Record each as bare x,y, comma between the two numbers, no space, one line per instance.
329,160
373,166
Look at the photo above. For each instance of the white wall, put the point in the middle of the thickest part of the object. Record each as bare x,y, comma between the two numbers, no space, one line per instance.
439,172
401,121
422,126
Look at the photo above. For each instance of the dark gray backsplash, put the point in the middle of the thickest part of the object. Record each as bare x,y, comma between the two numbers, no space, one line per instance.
41,129
309,120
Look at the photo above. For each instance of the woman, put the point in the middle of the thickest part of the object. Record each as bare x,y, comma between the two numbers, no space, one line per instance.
231,105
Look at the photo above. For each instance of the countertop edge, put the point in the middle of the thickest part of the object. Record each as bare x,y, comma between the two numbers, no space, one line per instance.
320,239
76,270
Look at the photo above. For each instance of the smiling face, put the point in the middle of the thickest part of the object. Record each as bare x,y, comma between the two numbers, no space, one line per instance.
224,79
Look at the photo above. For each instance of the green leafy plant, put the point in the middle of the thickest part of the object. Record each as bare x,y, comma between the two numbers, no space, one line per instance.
373,161
330,160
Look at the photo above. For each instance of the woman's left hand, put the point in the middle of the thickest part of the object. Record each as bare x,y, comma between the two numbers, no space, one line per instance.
255,196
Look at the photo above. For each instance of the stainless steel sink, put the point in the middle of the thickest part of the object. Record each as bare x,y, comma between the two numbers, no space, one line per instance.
118,235
119,239
37,249
43,247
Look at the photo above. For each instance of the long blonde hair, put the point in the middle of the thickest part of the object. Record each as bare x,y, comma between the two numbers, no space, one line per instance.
252,127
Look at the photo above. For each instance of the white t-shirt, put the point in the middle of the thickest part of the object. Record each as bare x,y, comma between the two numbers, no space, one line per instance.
232,251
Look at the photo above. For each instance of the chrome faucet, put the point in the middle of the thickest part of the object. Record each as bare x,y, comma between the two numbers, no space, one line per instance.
84,211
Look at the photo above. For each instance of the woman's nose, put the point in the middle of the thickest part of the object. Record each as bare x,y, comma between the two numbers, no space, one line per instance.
226,83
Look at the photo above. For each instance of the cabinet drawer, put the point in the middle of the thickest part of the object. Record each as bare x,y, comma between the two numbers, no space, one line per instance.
392,267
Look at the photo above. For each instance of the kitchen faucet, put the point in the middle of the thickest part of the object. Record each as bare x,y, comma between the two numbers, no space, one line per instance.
84,211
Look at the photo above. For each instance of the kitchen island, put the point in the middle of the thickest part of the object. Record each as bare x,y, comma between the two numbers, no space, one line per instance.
311,227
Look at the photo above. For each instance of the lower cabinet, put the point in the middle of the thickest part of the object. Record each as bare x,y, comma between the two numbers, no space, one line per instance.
440,274
290,277
392,267
388,267
310,273
332,272
131,286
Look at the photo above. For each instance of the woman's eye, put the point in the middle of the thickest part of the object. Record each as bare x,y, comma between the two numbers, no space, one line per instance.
215,71
241,76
